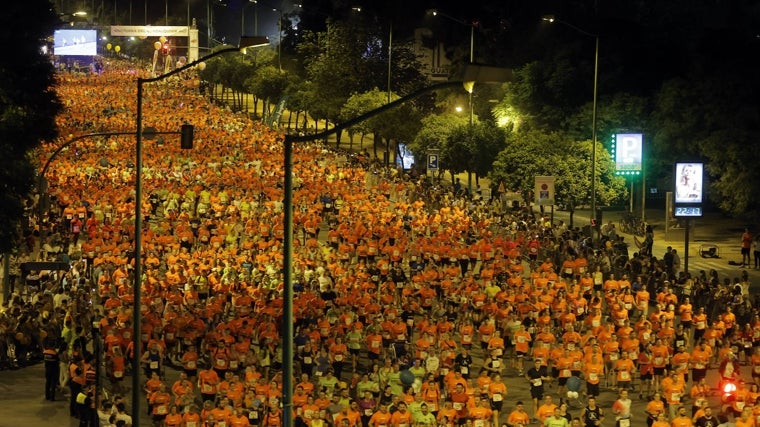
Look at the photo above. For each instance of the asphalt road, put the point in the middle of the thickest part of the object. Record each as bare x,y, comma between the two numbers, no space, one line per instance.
22,400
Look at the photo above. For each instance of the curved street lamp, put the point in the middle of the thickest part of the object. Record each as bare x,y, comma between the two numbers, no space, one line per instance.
469,75
245,42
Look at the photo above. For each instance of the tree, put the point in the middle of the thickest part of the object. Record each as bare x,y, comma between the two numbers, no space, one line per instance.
28,106
400,123
434,133
269,84
357,105
713,118
473,148
536,153
335,66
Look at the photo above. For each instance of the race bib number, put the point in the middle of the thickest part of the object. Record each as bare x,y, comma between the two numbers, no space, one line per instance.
497,397
118,374
625,376
191,364
613,356
537,382
338,357
307,360
161,410
464,370
153,365
458,406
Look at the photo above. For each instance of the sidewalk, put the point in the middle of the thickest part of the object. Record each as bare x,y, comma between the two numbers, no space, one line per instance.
712,230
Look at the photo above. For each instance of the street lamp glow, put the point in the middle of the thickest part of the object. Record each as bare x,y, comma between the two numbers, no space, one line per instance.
458,109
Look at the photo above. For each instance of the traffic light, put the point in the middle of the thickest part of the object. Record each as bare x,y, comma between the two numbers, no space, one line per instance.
186,137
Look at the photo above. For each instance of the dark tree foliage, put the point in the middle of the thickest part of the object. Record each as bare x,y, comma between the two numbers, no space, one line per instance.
28,105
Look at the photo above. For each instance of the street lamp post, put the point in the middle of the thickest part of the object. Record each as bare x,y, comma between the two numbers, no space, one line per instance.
468,87
255,17
245,42
472,51
279,38
552,19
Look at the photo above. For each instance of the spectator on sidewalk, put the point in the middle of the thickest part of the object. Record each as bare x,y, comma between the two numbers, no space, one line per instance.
746,245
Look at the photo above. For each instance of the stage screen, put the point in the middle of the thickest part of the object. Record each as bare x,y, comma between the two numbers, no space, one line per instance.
75,43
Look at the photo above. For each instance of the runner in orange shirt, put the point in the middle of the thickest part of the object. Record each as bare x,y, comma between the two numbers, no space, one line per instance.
521,339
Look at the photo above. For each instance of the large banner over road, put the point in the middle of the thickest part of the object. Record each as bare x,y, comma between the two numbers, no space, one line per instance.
161,30
149,31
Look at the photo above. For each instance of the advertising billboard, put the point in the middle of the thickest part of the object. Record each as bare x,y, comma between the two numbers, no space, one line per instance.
405,160
688,181
628,153
75,42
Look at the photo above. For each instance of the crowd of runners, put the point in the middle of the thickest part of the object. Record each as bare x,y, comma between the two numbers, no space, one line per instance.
409,310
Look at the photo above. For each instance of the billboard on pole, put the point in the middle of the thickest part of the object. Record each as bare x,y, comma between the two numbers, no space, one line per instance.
627,149
544,190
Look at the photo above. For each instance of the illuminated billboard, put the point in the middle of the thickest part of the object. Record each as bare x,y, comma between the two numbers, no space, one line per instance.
405,159
75,43
627,149
688,180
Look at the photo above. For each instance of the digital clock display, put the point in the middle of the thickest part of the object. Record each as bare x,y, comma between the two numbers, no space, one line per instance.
681,211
